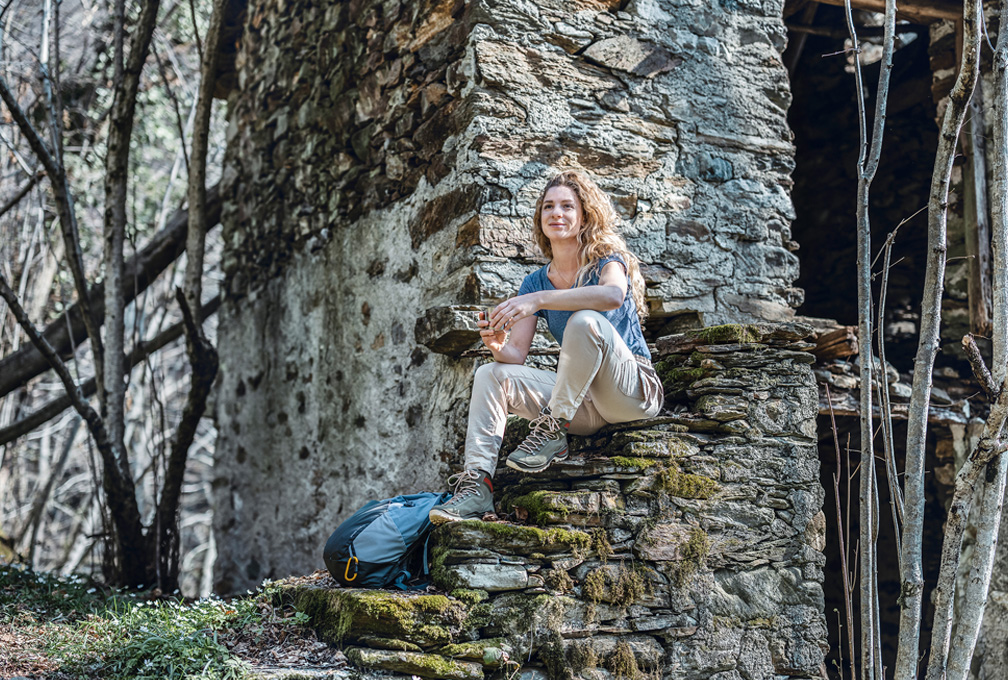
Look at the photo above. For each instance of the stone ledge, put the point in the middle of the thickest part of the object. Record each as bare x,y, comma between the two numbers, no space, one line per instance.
651,540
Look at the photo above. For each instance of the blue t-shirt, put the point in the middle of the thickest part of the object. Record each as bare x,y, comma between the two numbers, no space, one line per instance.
624,320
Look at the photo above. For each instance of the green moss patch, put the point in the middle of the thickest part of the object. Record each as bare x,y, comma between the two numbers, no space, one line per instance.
342,614
558,580
469,596
633,463
412,663
388,643
618,585
693,555
491,653
729,334
601,545
542,506
685,485
514,537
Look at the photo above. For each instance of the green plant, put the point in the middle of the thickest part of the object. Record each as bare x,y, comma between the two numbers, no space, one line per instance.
159,640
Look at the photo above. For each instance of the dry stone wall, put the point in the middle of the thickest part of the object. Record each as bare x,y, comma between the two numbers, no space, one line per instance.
688,546
383,162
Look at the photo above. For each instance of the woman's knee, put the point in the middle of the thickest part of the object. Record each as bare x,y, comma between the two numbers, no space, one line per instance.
493,371
585,321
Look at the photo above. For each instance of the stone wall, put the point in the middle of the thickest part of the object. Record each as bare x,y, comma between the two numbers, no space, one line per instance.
383,162
687,546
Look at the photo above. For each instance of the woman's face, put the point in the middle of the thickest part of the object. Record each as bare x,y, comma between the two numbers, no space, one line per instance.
561,214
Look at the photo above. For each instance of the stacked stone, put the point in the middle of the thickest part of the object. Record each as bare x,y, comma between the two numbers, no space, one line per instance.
687,546
383,162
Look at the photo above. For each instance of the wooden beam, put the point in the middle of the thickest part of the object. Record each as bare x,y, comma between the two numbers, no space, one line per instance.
923,11
847,404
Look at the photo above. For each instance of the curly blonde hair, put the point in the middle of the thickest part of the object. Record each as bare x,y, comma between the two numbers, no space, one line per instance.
598,237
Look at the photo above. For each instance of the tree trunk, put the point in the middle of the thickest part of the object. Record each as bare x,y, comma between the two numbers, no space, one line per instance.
994,627
132,562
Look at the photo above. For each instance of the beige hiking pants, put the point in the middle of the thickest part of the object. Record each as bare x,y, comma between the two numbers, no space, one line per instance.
598,381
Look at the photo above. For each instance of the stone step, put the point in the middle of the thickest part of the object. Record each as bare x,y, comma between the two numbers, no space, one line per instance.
301,673
415,663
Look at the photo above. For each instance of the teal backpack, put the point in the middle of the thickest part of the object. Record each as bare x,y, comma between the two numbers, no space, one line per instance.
384,544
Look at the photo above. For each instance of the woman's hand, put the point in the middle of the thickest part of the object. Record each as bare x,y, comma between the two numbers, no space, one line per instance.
494,340
511,311
508,335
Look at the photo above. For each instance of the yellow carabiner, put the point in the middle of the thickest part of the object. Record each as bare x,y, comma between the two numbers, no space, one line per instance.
346,572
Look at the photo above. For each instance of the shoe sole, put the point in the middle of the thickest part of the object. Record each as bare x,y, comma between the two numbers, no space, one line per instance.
556,459
438,517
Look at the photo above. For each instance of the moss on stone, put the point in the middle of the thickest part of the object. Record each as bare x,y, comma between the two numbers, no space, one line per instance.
582,656
577,540
390,615
601,545
441,576
437,666
555,658
622,663
542,506
693,554
626,588
558,580
638,463
388,643
685,485
490,652
469,596
478,616
630,585
593,586
729,333
768,622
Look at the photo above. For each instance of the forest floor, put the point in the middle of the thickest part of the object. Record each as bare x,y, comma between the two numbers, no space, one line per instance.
63,628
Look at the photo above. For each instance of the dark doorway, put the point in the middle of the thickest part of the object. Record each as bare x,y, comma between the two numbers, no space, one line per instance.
824,119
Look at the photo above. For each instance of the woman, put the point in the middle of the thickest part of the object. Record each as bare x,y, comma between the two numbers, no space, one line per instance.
591,294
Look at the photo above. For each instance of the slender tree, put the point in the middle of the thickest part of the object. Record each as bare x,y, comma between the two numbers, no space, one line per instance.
868,161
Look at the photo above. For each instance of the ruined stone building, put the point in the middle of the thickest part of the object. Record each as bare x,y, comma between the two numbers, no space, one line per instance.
383,162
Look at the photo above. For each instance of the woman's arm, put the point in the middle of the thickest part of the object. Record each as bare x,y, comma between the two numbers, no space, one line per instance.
606,296
517,314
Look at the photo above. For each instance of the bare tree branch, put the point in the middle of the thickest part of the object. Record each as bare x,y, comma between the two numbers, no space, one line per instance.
912,587
983,376
21,193
993,489
868,159
138,354
204,363
197,170
975,214
126,85
990,445
121,496
64,206
164,248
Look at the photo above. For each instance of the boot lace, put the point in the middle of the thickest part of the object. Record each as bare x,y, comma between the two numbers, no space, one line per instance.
465,483
542,429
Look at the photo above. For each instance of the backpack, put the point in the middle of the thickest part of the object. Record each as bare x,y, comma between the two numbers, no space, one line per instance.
379,545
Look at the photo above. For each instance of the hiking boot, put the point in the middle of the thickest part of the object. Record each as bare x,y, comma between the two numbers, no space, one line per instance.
472,498
546,442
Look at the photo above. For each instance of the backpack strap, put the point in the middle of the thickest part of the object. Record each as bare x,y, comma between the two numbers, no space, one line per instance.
426,567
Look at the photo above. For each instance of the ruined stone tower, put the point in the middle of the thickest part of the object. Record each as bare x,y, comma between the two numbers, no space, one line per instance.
383,162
